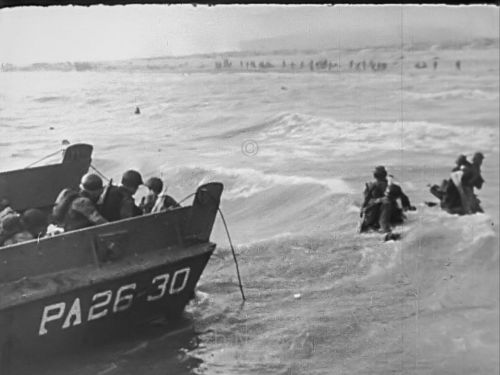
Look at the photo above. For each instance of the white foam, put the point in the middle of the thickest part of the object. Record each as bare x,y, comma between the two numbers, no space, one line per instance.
245,182
451,94
313,136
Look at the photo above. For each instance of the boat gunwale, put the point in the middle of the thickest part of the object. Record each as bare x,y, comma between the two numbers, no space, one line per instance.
90,228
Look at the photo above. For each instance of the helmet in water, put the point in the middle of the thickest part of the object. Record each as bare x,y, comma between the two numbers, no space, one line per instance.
132,179
155,184
380,172
91,182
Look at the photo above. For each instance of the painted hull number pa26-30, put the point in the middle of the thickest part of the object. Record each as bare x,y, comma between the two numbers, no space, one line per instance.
110,302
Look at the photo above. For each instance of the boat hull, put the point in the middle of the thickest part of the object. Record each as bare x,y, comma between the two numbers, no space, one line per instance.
93,314
88,286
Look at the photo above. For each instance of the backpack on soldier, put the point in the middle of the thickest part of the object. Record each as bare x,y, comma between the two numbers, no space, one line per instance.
62,205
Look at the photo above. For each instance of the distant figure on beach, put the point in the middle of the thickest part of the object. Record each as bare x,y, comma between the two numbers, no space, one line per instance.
421,65
435,64
457,64
137,111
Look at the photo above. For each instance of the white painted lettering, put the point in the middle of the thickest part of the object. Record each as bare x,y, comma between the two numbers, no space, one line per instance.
51,313
76,312
124,301
161,285
185,273
106,299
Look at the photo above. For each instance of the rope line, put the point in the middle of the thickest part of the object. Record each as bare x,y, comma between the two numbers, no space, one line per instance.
234,254
189,196
99,173
42,159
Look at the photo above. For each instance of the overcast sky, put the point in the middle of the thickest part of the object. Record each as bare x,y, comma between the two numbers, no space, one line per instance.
69,33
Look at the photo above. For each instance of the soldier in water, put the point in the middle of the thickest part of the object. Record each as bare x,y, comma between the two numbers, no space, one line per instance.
456,194
380,209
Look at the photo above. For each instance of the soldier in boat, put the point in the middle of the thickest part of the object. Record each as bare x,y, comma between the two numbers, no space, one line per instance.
17,228
118,201
380,209
75,210
157,199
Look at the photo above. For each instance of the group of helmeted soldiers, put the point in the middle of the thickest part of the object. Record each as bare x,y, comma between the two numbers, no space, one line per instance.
93,204
384,202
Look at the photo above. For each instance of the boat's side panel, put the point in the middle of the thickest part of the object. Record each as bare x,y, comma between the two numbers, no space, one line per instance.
38,187
102,310
105,243
114,241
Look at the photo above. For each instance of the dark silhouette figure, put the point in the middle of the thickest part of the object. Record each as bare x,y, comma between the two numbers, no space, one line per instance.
457,64
137,111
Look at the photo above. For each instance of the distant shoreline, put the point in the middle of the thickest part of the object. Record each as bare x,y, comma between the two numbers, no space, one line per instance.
374,59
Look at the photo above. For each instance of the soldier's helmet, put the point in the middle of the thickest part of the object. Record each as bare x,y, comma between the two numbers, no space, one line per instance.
91,182
132,178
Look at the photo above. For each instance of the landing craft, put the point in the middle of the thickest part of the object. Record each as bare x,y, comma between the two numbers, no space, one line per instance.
86,286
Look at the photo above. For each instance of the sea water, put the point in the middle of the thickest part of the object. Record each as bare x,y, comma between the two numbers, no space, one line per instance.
293,150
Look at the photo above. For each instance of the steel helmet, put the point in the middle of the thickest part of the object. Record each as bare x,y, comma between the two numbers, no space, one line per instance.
380,171
478,156
155,184
132,178
91,182
12,223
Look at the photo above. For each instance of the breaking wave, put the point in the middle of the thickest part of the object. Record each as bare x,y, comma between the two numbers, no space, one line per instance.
47,99
312,135
246,182
453,94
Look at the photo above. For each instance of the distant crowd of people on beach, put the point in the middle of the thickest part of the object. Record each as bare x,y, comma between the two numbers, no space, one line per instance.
423,64
311,65
321,65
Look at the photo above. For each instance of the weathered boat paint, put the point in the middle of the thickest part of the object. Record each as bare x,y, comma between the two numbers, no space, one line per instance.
38,187
87,286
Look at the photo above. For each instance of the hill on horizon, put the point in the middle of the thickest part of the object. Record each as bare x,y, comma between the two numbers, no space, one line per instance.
367,38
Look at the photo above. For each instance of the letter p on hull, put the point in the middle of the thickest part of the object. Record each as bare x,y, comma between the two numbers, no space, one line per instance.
51,313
